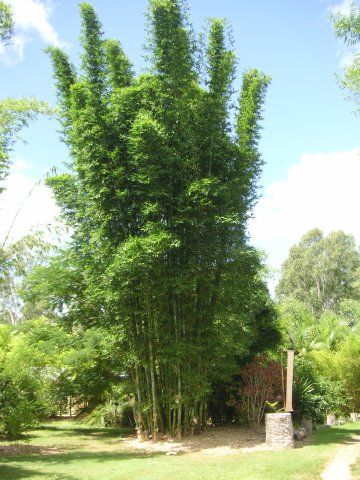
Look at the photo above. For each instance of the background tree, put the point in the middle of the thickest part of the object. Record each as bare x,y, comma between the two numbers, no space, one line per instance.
17,261
14,113
160,189
298,325
319,313
55,289
321,271
338,370
46,369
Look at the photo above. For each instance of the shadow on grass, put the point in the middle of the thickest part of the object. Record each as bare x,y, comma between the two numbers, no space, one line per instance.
11,472
80,456
328,436
14,472
85,431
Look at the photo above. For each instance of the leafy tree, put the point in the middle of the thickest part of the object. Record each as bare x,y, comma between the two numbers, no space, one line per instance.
20,397
14,113
303,332
350,311
89,367
160,189
42,366
340,368
348,362
347,27
80,364
321,271
319,313
56,290
315,392
17,260
6,22
331,330
18,409
298,325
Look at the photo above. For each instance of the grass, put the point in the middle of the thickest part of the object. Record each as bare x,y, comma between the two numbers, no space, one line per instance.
356,470
97,453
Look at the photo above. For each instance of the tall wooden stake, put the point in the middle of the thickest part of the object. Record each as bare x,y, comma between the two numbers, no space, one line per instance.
289,380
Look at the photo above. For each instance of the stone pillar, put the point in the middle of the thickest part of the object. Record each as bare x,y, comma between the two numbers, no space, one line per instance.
279,430
330,420
354,417
307,424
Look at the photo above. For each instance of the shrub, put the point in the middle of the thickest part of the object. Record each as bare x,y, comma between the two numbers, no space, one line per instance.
19,409
261,385
111,415
314,393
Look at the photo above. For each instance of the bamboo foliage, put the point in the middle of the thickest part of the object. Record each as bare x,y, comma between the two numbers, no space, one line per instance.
160,188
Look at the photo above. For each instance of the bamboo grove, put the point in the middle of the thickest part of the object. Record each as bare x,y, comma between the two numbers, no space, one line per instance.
160,189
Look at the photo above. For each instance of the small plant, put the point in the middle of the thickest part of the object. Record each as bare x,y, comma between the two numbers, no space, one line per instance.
272,407
112,415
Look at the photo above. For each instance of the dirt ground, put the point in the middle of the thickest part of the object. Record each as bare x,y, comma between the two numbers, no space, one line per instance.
213,441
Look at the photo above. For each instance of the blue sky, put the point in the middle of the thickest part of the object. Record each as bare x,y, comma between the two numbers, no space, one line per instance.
305,112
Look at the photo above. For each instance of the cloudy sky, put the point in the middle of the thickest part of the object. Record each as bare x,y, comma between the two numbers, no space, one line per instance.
310,138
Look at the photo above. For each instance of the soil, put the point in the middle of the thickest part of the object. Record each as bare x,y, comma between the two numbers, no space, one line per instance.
213,441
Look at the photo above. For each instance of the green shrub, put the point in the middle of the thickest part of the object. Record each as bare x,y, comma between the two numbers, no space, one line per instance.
19,409
314,394
111,415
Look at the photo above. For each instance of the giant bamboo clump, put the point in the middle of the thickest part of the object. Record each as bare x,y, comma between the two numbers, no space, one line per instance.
158,196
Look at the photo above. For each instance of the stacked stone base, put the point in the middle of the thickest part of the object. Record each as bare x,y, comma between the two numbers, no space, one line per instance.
279,430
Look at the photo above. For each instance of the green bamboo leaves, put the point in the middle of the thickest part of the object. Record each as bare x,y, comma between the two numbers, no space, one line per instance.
161,188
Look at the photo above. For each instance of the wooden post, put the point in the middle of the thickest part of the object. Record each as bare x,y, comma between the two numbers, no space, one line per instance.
289,380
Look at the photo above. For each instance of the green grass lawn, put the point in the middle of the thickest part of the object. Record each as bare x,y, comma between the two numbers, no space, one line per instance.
94,453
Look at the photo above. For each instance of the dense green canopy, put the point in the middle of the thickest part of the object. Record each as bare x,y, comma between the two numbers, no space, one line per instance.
160,188
321,271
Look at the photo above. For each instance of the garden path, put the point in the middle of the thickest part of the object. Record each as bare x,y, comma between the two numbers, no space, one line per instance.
345,457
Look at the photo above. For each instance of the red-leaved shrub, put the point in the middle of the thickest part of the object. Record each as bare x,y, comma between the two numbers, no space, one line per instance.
261,383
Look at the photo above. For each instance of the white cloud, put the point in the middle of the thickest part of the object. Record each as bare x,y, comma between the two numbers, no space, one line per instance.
37,209
344,8
30,16
14,53
347,57
321,190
